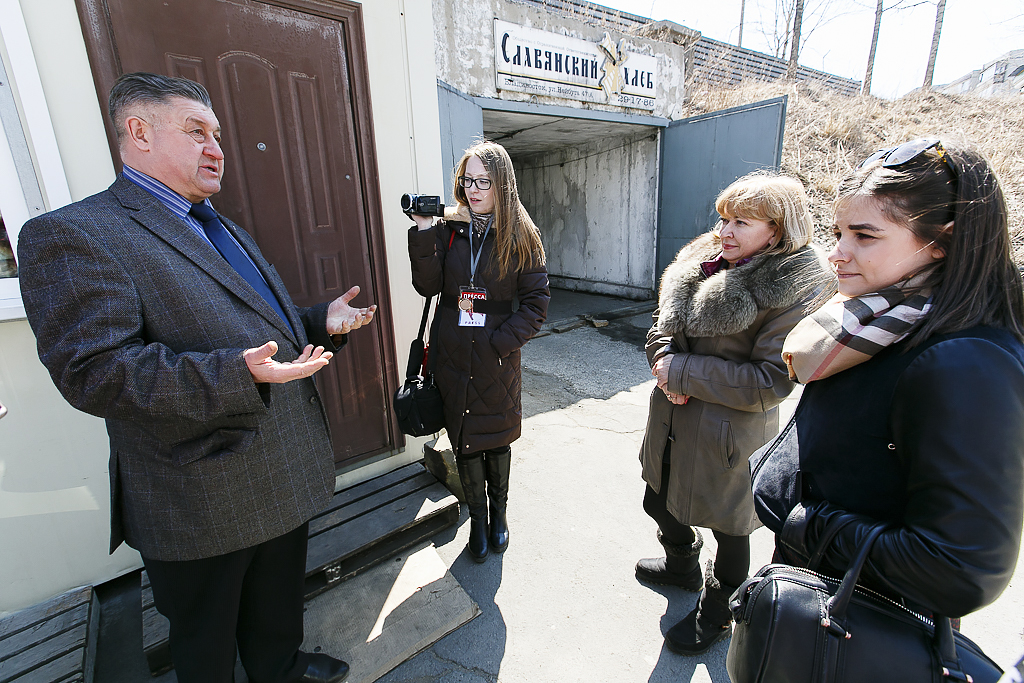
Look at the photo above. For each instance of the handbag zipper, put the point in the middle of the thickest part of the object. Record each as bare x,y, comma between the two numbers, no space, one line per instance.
834,584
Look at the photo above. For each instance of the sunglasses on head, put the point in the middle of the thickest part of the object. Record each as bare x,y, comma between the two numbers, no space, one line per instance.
908,151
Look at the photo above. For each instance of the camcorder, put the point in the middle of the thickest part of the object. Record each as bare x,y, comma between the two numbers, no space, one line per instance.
422,205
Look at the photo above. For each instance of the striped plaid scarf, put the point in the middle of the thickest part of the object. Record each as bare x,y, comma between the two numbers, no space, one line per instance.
846,332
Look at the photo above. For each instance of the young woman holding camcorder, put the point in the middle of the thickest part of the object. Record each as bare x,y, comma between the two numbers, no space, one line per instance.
486,260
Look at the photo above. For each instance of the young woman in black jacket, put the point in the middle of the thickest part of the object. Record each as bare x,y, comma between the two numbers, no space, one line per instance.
913,413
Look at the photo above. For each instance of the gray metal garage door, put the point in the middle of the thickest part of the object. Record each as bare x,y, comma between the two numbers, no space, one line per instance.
701,155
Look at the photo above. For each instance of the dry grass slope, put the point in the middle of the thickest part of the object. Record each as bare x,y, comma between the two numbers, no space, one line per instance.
828,134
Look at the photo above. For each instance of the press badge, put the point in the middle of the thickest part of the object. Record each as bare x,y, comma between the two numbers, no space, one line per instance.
467,316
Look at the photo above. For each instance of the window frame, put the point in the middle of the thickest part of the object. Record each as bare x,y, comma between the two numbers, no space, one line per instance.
32,178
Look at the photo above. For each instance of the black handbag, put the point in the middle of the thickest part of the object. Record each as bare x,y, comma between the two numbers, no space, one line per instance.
417,403
795,625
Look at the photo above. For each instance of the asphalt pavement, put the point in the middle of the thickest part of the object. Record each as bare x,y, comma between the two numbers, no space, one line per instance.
562,603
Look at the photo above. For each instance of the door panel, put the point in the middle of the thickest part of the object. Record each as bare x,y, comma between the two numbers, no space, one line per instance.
701,156
300,175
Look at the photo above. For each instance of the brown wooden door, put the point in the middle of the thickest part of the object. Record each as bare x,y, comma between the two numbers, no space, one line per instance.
288,82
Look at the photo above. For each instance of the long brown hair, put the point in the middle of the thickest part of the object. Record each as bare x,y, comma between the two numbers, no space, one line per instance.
517,241
977,283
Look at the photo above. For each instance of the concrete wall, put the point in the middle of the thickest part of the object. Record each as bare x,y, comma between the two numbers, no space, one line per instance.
53,460
596,207
464,36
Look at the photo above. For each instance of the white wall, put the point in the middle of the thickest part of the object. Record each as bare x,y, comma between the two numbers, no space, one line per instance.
403,90
596,207
54,507
54,510
54,496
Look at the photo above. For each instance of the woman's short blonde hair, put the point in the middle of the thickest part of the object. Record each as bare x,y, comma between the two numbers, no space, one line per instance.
778,199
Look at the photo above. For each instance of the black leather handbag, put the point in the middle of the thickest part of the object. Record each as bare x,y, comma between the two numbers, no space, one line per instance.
417,403
794,625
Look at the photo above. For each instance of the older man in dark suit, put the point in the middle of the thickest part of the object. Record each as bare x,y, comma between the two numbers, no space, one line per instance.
159,315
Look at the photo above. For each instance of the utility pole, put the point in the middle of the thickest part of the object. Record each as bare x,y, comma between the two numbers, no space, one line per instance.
866,89
743,6
798,18
929,73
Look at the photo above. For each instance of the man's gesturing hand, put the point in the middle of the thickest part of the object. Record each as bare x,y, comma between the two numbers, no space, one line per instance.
263,368
342,318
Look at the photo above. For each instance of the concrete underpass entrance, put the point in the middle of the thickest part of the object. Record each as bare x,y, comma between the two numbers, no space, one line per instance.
588,178
614,194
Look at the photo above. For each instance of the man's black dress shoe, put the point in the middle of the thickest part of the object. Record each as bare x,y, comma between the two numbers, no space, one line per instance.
324,669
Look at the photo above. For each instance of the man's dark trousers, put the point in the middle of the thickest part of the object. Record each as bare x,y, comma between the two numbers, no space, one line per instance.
254,595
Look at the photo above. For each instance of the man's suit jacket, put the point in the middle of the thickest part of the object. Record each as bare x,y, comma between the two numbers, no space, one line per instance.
143,323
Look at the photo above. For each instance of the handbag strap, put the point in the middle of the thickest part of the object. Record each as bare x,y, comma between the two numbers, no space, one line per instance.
423,320
417,348
942,637
833,528
838,603
429,363
945,646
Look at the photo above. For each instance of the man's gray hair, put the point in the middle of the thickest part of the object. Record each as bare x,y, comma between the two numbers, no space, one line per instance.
147,88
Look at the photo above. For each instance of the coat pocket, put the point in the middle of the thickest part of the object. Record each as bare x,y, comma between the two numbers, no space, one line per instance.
727,445
216,442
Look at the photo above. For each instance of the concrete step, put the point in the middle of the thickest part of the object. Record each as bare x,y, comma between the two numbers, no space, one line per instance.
363,526
52,642
384,616
597,319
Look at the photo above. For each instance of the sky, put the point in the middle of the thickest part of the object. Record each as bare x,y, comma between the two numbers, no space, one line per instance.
974,32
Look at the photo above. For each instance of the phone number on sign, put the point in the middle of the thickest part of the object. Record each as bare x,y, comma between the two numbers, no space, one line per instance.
634,101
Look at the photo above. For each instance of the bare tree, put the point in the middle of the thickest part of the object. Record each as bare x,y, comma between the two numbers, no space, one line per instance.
798,20
879,10
743,7
776,24
929,73
866,88
778,34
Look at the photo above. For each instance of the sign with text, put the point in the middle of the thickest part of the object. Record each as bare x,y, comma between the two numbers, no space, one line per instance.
545,63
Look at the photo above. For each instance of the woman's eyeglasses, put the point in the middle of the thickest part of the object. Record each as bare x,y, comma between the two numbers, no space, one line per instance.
481,183
908,151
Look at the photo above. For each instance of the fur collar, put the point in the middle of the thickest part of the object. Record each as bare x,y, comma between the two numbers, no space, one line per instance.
459,212
728,301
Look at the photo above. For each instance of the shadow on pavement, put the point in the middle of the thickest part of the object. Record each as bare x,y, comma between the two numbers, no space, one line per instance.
671,667
474,652
626,332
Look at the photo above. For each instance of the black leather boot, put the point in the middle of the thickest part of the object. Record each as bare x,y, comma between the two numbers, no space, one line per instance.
709,622
498,467
473,478
680,566
323,669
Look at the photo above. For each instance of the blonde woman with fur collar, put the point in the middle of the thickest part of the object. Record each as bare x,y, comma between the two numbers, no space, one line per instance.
726,304
486,260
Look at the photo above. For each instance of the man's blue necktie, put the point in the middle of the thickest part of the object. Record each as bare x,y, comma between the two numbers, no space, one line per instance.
234,255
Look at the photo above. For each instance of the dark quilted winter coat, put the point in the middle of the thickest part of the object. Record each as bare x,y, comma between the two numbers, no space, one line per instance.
477,368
